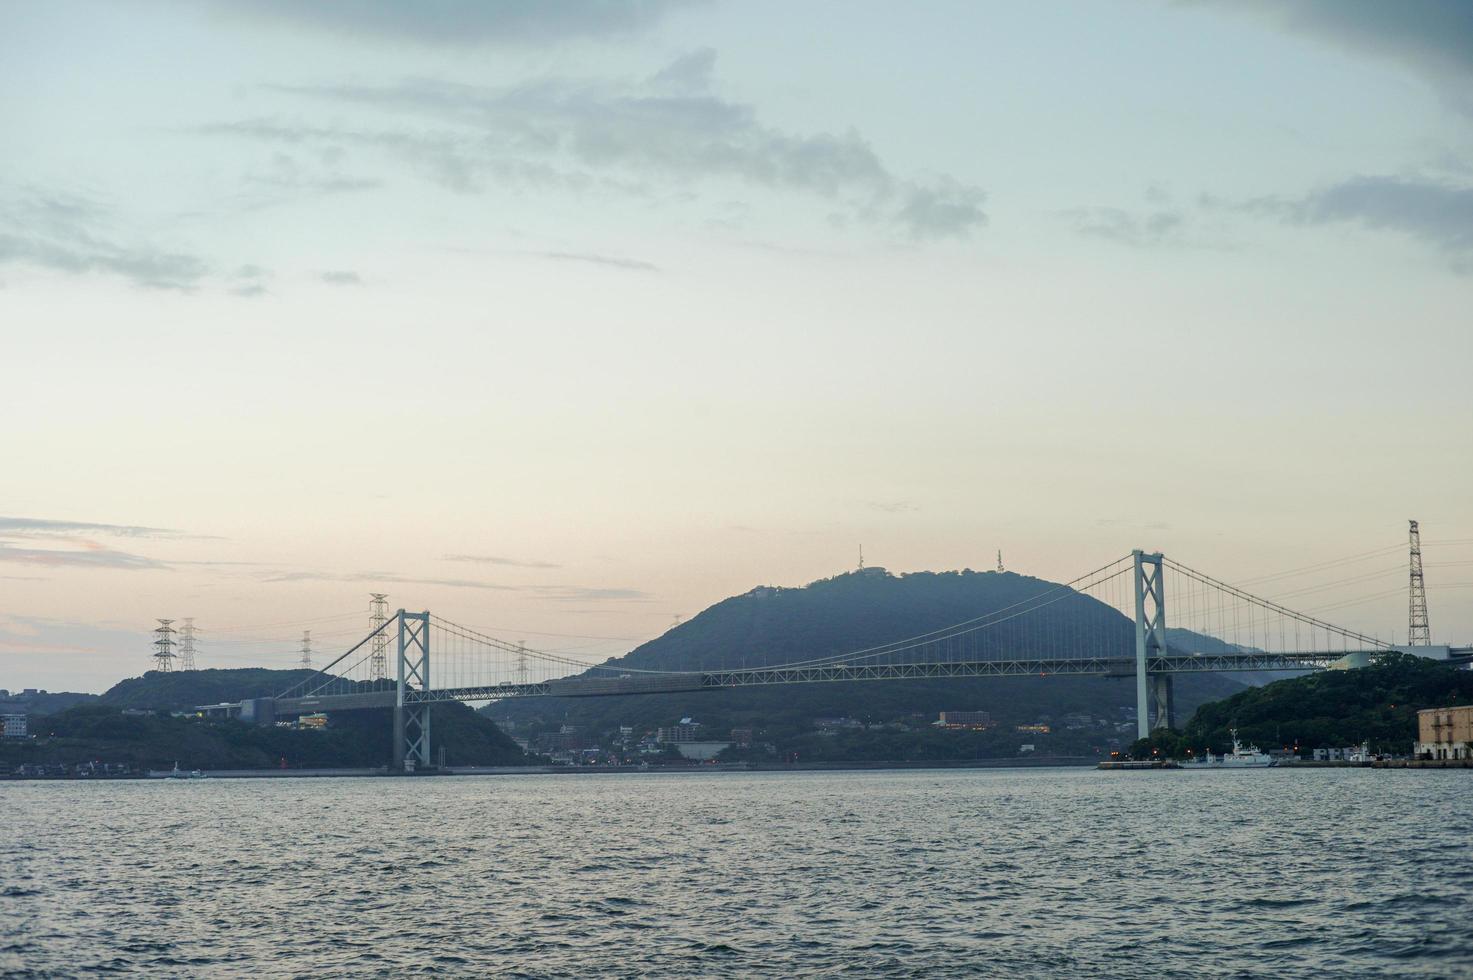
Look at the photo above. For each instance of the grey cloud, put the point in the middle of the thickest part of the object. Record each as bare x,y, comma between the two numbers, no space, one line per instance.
497,560
573,593
627,138
1126,227
459,22
94,556
384,577
1431,37
341,277
892,506
689,73
1437,213
559,593
635,264
10,526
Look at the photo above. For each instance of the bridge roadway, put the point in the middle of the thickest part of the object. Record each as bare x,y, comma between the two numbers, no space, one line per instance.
584,687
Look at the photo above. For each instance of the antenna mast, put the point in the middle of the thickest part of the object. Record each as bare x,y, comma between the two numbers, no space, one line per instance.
307,649
186,644
861,558
163,655
999,559
378,615
1419,634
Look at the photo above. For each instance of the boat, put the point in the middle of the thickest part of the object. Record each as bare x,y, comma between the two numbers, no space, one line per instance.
1241,757
177,773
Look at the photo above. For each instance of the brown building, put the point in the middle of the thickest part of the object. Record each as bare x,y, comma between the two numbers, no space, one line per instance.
1445,733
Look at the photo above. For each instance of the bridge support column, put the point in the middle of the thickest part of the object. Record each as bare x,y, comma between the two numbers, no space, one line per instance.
1163,701
1150,641
412,718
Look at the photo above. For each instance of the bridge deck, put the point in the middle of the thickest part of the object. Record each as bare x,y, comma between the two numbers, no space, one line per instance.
577,687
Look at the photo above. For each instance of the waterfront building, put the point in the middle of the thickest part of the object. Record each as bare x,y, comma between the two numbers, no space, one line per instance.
701,751
1445,733
686,731
964,719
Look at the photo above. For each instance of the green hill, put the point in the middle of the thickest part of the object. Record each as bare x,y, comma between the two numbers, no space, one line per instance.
101,730
354,739
181,690
1331,708
848,612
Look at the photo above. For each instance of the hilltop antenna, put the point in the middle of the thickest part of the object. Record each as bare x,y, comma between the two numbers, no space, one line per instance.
999,559
163,655
861,558
307,649
378,615
1419,633
186,644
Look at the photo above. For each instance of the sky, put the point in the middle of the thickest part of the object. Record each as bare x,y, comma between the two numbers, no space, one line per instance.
567,320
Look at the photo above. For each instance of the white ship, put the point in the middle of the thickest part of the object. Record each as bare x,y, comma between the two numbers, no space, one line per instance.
1240,757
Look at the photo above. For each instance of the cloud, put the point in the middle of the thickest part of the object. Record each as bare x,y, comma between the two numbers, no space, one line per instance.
635,264
384,577
635,138
1137,229
573,593
341,277
1431,37
88,555
459,23
496,560
75,235
14,526
557,593
1437,213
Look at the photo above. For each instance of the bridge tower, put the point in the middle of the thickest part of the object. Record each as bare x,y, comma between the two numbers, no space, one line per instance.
1419,633
1152,691
412,719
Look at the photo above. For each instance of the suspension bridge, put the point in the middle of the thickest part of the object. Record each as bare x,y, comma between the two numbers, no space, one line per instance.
1110,622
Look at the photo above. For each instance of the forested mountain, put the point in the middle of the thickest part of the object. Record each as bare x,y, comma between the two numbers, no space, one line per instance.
859,610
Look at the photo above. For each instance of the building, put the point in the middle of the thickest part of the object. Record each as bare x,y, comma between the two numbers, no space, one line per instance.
964,719
701,751
15,725
1442,733
686,731
742,736
1035,729
318,720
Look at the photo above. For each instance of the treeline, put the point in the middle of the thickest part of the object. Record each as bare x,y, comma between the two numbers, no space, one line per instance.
354,739
1328,709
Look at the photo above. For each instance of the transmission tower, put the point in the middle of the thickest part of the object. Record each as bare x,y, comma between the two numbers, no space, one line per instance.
307,649
378,615
163,654
1419,634
999,559
186,644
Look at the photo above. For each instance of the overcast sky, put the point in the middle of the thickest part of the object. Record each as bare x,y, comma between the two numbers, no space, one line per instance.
566,319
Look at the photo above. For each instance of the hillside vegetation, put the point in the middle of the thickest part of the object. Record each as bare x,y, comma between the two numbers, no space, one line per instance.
1331,708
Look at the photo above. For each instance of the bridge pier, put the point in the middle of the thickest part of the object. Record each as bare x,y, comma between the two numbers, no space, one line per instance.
1150,641
412,719
1163,701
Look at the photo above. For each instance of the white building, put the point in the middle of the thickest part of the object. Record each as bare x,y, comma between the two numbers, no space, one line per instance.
15,725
